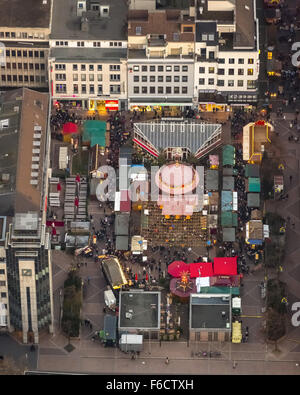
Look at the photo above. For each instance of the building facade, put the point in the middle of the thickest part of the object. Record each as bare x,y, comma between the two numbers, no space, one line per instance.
226,54
24,40
26,305
88,56
161,59
29,276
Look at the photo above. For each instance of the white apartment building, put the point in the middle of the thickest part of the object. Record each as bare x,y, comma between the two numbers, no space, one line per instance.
226,54
88,53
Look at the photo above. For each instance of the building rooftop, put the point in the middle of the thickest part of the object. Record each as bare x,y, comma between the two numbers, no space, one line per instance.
206,311
167,22
174,4
207,32
28,13
141,54
139,310
85,55
245,24
66,24
26,221
237,13
23,128
207,12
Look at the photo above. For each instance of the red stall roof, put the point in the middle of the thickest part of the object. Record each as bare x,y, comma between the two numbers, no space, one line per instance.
69,128
225,266
177,267
206,269
125,203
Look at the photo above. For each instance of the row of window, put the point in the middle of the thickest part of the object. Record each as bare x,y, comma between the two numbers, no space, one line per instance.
160,68
160,78
211,70
160,90
25,53
240,83
240,60
91,77
62,88
25,66
24,35
82,43
91,67
23,78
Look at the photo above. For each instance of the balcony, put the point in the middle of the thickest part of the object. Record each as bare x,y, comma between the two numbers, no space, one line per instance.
157,42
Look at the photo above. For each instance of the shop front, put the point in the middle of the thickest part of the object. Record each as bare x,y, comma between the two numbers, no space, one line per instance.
162,109
213,107
70,104
103,106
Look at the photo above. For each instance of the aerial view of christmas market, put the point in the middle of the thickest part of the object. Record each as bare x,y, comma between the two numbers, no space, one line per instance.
149,188
184,239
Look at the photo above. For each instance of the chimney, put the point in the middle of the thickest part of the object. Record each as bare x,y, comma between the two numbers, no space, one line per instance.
84,24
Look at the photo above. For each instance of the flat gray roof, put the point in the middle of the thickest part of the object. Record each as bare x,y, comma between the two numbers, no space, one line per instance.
228,183
142,310
253,200
206,312
212,180
228,234
25,13
84,55
67,25
122,243
122,224
26,221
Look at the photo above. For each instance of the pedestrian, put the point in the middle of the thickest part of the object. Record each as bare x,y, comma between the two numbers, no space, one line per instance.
167,361
234,365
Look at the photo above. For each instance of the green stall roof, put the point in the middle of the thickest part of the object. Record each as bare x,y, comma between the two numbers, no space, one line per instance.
253,184
229,219
94,132
228,155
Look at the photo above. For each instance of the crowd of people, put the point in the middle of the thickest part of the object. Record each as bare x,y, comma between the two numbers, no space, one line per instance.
288,74
119,134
